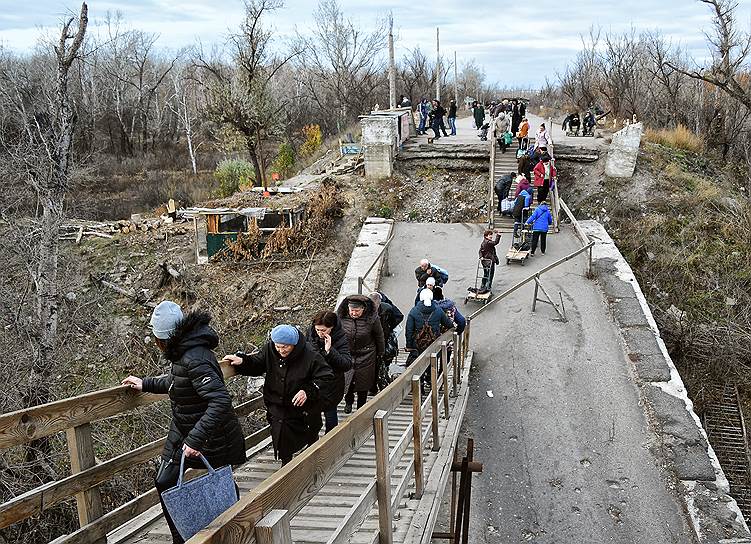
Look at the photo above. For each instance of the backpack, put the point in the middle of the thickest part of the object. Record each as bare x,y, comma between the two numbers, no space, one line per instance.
441,273
425,336
508,138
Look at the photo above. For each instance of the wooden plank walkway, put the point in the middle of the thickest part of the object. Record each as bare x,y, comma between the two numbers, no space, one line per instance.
318,521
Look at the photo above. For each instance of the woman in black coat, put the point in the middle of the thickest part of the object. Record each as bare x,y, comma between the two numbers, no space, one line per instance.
327,336
203,420
297,381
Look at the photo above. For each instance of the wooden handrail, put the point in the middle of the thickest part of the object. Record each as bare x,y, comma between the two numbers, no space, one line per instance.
292,486
23,426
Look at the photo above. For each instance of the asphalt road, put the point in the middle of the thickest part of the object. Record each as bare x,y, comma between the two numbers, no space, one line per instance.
567,451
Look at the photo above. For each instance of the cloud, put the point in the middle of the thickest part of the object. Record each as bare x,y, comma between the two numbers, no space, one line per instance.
517,43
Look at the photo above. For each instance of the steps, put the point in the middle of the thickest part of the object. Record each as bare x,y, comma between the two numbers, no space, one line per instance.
725,428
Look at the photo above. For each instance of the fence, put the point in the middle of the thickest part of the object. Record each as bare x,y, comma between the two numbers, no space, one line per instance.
263,515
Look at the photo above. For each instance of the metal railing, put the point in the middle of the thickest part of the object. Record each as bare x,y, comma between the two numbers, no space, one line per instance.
381,254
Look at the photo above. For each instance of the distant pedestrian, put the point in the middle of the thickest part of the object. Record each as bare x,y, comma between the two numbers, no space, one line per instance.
405,102
523,108
542,139
478,112
541,219
438,113
502,124
298,382
522,135
327,336
516,117
452,117
545,176
423,111
203,420
488,259
360,321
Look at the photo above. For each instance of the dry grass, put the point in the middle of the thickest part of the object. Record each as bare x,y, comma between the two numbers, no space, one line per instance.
679,137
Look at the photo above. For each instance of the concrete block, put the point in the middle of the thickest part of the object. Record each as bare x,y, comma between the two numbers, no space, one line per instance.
715,515
650,368
623,152
684,444
642,341
629,313
379,161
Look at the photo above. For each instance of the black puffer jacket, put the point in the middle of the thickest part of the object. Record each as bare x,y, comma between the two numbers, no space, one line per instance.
338,358
202,413
292,427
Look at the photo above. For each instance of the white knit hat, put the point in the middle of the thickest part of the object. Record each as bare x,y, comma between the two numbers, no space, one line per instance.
426,296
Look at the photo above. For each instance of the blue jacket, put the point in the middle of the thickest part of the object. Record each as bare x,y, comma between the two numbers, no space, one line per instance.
417,317
527,198
541,218
448,306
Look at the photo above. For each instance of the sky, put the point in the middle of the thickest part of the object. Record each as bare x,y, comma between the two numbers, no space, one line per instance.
518,43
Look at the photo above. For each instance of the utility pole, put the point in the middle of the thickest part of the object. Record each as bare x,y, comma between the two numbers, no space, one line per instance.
437,64
392,64
456,82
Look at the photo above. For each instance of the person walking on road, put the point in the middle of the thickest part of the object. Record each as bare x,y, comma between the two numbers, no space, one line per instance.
439,112
359,317
541,219
516,117
423,110
298,383
452,117
203,420
488,259
545,176
327,337
429,270
450,309
478,112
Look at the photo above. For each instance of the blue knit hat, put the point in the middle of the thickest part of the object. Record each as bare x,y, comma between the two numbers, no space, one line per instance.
165,318
285,334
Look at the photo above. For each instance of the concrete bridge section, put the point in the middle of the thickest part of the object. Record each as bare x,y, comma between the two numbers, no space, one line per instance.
558,408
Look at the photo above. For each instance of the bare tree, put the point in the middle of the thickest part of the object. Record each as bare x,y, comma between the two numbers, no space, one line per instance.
44,153
240,95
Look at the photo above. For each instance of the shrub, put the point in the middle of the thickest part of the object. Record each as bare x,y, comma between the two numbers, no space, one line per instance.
679,137
231,173
313,140
285,160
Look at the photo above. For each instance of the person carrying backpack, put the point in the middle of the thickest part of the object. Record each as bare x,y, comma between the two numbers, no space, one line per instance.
523,200
428,270
424,323
541,219
450,309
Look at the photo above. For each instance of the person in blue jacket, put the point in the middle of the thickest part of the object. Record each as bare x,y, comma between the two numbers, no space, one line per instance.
450,309
541,219
523,201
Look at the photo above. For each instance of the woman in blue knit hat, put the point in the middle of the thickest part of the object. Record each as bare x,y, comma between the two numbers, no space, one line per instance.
297,381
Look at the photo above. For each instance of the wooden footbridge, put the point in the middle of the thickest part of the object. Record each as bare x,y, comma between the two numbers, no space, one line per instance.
379,476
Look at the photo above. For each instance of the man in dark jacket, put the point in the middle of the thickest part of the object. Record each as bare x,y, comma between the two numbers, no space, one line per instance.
502,188
361,324
390,317
452,117
297,380
424,312
203,420
327,336
488,259
427,270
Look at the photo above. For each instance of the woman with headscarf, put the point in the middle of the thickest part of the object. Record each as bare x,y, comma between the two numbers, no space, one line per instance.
362,325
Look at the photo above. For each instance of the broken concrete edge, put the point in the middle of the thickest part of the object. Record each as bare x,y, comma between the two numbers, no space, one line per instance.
705,514
374,233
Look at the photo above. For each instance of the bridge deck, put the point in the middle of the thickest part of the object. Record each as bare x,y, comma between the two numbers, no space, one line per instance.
318,521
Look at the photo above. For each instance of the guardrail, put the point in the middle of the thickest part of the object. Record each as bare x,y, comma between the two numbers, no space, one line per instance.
263,514
361,279
74,416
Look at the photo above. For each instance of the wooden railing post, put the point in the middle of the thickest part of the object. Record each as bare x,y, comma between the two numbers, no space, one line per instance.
383,480
455,364
274,528
434,400
465,342
81,450
417,436
444,372
359,285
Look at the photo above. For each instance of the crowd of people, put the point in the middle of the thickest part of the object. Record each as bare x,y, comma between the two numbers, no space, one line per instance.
431,114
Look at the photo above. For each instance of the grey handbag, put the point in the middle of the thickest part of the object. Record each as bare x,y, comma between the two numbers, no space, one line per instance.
193,505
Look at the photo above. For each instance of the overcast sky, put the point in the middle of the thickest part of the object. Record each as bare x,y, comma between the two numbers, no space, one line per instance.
517,42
